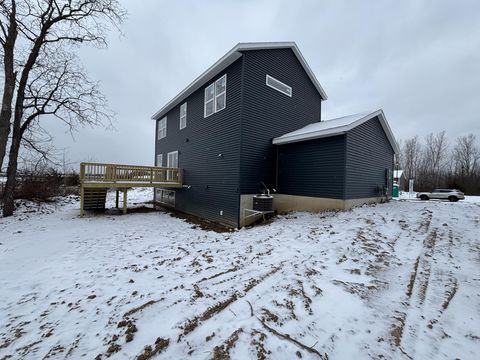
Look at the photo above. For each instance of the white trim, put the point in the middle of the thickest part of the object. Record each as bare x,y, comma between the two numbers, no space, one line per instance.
162,128
205,101
184,117
168,159
272,85
215,96
224,93
297,136
229,58
159,163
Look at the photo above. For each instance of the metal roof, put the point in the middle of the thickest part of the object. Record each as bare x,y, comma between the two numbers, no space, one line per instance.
336,126
227,60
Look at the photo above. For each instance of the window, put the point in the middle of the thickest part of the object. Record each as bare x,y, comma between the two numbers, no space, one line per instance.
183,116
162,128
278,85
216,96
220,93
160,160
172,159
165,196
172,162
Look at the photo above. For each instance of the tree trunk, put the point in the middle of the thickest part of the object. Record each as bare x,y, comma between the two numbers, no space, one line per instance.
9,193
6,115
9,85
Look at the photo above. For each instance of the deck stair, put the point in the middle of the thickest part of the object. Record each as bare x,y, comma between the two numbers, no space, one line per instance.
97,178
94,199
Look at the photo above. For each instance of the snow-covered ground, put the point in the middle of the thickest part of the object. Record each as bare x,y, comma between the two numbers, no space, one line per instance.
393,281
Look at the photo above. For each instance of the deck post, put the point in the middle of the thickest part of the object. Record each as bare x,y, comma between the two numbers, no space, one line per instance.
116,198
82,195
125,200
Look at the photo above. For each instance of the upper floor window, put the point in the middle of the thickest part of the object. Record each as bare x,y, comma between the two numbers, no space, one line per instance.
278,85
162,128
183,116
216,96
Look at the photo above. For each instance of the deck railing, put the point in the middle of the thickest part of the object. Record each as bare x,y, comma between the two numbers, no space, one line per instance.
128,174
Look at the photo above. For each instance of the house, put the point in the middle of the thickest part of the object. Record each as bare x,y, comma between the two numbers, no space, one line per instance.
253,121
400,179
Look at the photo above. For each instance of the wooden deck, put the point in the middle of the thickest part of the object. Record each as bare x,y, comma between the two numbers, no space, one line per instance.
97,178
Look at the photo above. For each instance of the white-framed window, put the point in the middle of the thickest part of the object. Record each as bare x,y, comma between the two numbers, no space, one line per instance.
162,128
172,159
216,96
165,196
172,162
183,116
220,93
159,160
278,85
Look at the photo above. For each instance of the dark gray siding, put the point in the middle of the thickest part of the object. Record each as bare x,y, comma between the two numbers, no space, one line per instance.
213,179
313,168
268,113
369,154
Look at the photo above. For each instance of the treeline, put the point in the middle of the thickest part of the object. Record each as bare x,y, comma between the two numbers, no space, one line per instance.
433,162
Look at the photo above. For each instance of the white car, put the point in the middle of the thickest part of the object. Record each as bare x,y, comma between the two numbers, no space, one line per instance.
442,194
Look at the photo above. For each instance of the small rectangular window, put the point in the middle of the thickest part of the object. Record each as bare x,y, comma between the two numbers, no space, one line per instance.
216,96
160,160
165,196
209,100
162,128
183,116
220,93
278,85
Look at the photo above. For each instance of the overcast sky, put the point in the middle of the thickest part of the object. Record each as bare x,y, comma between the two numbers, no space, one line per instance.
417,60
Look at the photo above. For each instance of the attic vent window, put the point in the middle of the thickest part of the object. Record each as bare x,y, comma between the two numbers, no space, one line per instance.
215,96
278,85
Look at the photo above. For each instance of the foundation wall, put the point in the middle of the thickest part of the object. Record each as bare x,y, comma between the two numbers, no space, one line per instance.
283,203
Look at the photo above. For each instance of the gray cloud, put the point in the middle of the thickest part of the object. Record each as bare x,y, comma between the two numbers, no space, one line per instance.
418,60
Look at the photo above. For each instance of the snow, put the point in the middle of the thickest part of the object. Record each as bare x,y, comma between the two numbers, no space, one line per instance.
323,126
394,280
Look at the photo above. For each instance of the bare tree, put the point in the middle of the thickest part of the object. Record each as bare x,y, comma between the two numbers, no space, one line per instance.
466,156
51,83
411,156
434,158
8,38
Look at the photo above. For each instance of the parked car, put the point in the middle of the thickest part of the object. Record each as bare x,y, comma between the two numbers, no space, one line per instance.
443,194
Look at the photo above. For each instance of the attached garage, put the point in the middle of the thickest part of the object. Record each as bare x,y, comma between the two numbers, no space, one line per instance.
335,164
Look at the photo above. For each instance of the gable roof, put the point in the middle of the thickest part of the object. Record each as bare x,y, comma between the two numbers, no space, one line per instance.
397,173
230,58
336,126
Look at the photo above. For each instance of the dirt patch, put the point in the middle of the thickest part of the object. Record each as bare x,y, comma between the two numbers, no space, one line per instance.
258,343
450,294
150,351
220,274
141,307
222,352
192,324
199,223
397,329
267,315
413,276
